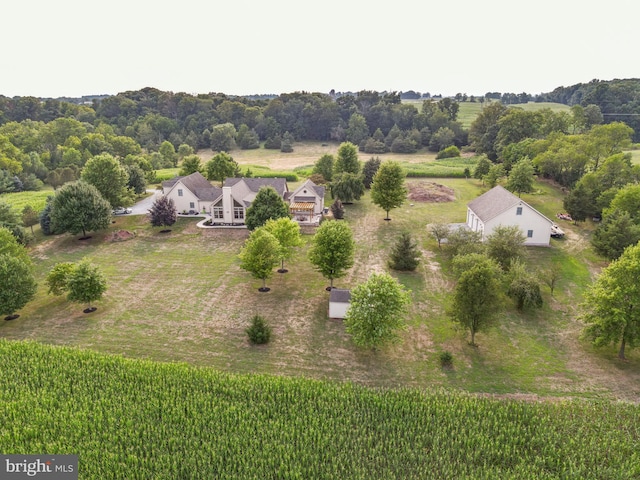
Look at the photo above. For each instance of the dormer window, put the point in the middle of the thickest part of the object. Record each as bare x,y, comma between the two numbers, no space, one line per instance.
519,211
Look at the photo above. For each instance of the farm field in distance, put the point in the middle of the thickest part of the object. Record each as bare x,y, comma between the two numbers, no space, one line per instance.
182,297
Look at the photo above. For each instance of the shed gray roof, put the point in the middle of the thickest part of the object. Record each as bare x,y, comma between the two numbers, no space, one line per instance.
492,203
339,295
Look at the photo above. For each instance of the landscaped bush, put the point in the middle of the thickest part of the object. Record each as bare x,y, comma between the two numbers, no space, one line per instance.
259,332
449,152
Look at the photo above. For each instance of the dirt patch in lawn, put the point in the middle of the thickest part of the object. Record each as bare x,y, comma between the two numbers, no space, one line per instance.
430,192
121,235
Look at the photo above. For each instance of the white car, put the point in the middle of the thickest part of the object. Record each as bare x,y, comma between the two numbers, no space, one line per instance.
121,211
556,231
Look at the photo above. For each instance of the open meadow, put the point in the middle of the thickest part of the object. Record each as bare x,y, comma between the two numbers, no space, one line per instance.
182,297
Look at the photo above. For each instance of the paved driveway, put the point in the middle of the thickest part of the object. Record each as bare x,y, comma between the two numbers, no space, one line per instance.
143,206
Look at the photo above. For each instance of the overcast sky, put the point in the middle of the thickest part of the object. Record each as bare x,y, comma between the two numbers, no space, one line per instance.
82,47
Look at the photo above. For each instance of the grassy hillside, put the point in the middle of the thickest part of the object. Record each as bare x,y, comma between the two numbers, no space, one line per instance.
132,419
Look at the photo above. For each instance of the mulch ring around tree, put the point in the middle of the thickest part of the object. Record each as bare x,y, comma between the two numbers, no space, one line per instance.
430,192
122,235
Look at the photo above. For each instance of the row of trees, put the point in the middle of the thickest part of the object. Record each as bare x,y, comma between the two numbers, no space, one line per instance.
377,306
83,282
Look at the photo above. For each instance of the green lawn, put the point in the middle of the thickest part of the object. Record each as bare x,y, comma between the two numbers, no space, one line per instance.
21,199
182,297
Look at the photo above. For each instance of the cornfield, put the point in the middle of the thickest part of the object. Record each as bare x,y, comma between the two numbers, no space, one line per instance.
135,419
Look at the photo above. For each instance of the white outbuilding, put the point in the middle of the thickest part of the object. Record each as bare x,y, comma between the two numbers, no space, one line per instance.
499,206
339,301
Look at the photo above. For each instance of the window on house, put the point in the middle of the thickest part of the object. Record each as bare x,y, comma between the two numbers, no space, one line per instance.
529,233
238,213
217,213
179,192
519,211
192,205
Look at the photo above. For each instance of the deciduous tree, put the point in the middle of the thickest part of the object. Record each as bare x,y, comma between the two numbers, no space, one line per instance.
268,204
221,166
190,164
260,254
17,282
163,212
505,244
347,160
85,284
439,231
388,190
332,250
324,166
477,298
616,232
347,187
612,303
79,207
287,232
376,310
110,178
521,177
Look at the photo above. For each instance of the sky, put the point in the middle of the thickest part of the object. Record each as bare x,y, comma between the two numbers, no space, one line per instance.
238,47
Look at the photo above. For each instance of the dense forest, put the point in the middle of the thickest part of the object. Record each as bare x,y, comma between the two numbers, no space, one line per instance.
50,140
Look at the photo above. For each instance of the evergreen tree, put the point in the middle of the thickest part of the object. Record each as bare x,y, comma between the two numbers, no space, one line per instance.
369,170
405,255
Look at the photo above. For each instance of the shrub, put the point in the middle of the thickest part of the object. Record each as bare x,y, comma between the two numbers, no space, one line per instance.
337,209
448,152
259,332
446,359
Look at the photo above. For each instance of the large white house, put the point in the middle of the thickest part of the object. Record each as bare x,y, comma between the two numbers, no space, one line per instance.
228,205
499,206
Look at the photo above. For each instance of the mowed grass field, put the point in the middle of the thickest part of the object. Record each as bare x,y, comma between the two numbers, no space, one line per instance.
182,297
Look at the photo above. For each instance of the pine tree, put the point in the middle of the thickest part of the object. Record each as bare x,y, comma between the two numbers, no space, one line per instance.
405,254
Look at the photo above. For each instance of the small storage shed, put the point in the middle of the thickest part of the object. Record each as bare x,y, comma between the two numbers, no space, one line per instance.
339,300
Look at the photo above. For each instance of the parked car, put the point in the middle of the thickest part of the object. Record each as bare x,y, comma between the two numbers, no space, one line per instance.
556,231
121,211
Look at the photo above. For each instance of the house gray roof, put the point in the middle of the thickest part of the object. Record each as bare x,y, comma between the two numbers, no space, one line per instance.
339,295
319,189
197,184
299,198
493,203
254,184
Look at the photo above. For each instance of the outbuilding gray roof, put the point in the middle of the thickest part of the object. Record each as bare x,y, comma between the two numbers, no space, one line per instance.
339,295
